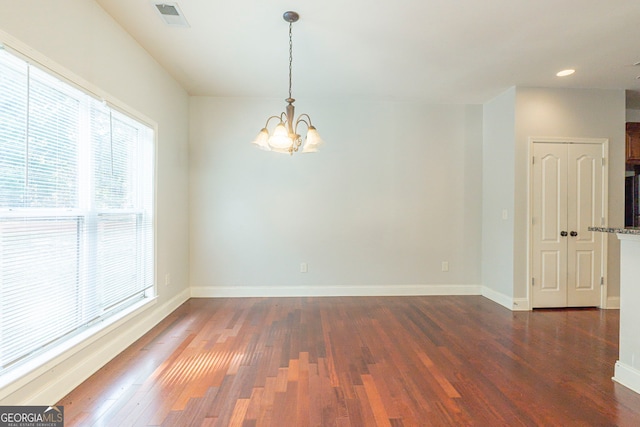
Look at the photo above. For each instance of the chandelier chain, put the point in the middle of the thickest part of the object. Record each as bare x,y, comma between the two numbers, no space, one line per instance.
290,57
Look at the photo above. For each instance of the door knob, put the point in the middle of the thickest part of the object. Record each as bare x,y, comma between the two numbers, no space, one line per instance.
573,233
563,233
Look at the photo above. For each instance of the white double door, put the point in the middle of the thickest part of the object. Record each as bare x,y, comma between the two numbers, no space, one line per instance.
567,198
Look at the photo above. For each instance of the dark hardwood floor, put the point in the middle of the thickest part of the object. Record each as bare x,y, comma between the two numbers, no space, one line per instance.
363,361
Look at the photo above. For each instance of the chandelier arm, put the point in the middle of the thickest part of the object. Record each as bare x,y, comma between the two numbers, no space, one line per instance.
308,121
272,117
301,119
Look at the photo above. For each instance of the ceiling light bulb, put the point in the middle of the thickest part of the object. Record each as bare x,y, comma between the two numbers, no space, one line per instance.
312,141
280,140
565,73
262,140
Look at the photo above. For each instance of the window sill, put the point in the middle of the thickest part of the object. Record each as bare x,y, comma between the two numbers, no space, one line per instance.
31,370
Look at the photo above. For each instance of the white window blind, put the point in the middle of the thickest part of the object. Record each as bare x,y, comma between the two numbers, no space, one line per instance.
76,211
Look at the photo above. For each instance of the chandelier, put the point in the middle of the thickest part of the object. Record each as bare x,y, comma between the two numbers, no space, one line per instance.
285,137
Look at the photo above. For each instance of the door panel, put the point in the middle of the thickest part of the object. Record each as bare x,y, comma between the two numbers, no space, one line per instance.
584,271
551,271
549,220
584,209
552,197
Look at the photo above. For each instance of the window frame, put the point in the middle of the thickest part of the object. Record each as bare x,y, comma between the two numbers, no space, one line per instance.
17,377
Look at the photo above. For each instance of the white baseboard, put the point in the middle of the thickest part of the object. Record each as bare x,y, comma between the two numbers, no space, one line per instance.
67,373
521,304
497,297
332,291
613,303
627,375
513,304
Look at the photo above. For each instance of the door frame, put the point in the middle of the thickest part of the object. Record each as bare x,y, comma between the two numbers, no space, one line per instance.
604,142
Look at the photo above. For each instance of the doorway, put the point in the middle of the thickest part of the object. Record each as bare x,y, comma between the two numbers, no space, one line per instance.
568,195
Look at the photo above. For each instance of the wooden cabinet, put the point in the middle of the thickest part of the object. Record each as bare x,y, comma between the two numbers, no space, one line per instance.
633,142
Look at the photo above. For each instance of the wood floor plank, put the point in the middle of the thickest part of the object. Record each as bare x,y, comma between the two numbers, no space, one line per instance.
362,361
364,411
255,403
375,401
302,399
239,412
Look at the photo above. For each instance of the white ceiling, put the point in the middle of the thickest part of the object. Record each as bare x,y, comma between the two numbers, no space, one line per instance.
438,51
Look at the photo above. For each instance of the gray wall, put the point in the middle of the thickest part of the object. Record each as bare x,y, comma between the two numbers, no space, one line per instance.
498,167
395,191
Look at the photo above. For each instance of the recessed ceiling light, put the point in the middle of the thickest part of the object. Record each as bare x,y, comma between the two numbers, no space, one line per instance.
565,73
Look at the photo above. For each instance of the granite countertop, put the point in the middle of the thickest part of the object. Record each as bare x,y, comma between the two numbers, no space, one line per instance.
616,230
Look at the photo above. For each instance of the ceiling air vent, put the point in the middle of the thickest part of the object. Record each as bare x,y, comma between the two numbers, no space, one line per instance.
171,14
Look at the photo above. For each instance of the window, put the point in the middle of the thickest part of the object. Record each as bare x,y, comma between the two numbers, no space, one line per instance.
76,211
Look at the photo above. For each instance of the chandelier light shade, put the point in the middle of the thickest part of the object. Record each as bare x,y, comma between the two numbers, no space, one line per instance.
285,138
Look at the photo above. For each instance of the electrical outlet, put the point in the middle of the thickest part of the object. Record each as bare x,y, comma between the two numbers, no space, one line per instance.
167,279
505,214
445,265
304,267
